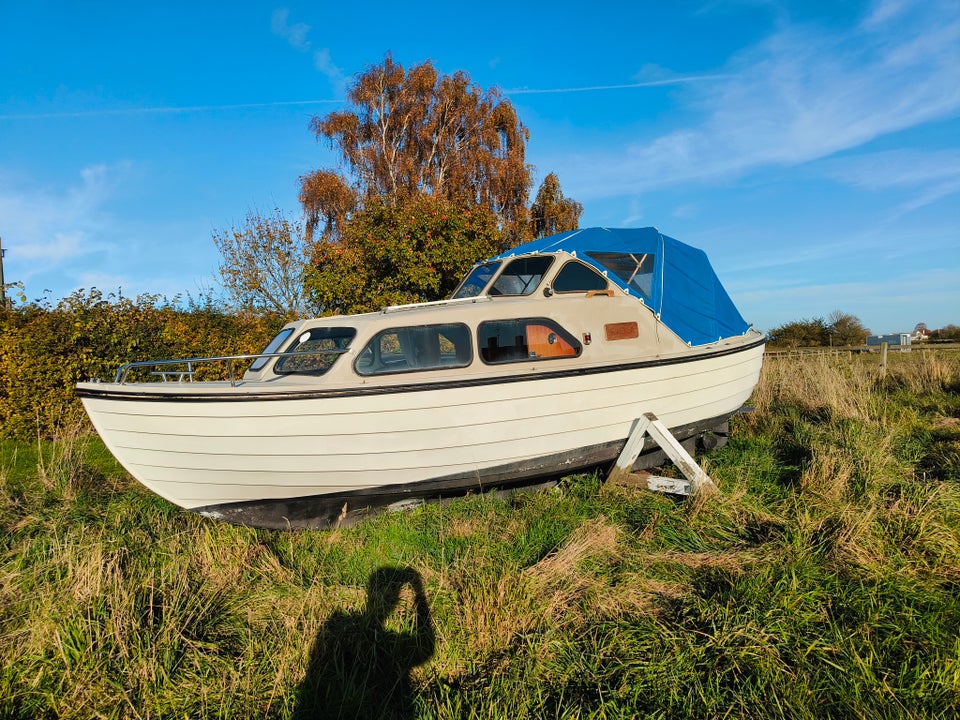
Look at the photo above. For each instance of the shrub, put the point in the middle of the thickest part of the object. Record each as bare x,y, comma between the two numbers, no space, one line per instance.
45,351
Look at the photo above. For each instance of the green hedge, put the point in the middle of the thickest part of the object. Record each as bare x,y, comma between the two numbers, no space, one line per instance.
45,351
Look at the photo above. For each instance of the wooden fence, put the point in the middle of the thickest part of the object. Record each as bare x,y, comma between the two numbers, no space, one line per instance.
858,349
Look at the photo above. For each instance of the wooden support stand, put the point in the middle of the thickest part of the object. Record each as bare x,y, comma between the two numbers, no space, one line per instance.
696,478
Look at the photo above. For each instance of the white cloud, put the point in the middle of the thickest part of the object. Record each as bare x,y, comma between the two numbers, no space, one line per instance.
323,62
804,93
51,228
896,168
883,12
891,304
295,34
60,239
927,175
685,211
61,247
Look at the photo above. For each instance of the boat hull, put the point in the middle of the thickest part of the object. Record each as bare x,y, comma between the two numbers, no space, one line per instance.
345,508
302,458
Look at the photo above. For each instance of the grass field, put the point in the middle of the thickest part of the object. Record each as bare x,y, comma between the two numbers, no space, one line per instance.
821,581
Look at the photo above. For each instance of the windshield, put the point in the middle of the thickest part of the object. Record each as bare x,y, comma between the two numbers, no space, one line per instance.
273,347
315,350
522,275
476,281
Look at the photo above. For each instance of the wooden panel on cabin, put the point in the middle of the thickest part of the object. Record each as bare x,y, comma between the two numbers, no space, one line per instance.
622,331
544,342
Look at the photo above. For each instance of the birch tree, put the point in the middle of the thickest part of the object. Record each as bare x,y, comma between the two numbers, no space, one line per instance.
418,132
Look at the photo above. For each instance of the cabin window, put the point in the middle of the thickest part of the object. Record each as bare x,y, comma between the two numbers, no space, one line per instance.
521,276
421,347
476,281
315,351
635,269
577,277
526,339
272,347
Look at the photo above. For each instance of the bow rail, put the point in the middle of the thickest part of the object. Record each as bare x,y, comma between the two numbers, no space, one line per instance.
182,374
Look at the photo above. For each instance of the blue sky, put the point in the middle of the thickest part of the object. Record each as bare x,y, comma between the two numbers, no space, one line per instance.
812,149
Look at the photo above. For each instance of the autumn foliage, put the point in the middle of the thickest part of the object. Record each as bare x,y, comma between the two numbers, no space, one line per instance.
434,179
418,132
263,264
411,251
551,212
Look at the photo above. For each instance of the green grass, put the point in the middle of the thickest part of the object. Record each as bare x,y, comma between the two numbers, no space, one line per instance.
821,581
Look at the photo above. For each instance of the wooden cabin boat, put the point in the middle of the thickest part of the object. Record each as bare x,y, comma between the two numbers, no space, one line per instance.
536,367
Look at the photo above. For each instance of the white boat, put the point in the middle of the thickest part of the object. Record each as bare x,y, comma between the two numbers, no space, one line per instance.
537,367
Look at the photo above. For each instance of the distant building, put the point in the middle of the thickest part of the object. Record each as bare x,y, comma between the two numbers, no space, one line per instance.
894,340
920,335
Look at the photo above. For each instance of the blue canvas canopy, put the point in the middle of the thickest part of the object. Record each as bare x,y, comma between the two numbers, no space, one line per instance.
675,280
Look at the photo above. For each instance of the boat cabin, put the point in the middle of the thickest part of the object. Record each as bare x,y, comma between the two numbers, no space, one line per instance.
594,295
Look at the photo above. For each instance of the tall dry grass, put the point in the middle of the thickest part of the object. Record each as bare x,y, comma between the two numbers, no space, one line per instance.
819,581
847,385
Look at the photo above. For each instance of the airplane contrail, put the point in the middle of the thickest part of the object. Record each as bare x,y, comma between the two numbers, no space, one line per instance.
626,86
289,103
160,110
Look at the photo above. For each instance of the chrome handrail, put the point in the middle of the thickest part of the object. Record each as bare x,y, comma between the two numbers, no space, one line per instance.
436,303
124,370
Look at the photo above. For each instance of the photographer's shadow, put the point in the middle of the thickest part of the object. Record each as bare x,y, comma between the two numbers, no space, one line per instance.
360,669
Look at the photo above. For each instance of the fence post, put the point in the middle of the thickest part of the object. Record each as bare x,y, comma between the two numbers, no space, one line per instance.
883,359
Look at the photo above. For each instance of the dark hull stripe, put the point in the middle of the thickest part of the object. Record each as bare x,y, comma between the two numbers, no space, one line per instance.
240,396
